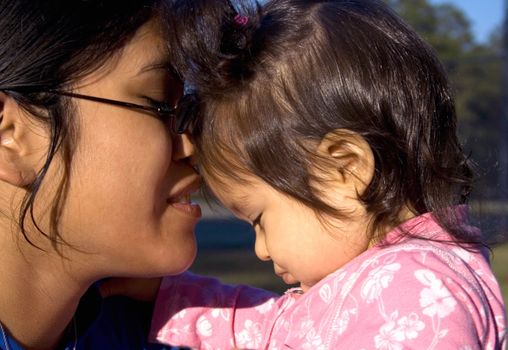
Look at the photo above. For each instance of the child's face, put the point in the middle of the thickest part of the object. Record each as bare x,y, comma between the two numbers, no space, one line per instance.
303,248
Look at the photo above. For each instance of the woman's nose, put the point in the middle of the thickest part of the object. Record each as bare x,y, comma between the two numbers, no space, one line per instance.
260,247
183,147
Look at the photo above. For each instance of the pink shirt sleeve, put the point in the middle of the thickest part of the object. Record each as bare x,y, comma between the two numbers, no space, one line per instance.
416,295
203,313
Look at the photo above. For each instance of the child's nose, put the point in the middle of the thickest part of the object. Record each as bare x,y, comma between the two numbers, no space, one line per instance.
260,248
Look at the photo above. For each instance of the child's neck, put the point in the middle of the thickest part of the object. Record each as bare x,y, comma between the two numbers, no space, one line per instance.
404,215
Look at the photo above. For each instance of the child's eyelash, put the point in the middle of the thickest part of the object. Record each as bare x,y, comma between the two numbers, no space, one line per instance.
257,221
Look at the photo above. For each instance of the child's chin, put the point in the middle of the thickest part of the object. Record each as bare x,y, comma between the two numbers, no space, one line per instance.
288,279
305,287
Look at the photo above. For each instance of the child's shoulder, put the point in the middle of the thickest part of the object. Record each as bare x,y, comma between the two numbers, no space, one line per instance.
422,248
413,280
413,258
421,241
412,265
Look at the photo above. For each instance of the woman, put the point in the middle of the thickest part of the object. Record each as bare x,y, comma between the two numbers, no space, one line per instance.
92,181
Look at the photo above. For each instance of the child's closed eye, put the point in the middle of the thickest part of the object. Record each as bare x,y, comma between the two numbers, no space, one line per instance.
257,220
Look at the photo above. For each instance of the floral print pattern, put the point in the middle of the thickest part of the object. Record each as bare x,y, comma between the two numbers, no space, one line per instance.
405,293
377,280
436,299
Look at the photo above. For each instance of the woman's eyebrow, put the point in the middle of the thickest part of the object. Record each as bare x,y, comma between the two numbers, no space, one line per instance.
156,65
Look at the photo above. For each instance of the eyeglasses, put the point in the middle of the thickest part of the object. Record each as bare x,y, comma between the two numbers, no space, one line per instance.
179,117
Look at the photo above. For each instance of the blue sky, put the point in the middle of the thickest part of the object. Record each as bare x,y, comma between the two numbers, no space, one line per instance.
484,15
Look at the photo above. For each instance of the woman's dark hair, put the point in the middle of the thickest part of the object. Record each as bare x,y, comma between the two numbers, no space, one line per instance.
273,87
47,45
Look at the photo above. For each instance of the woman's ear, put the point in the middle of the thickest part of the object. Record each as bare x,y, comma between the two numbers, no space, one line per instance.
17,143
351,159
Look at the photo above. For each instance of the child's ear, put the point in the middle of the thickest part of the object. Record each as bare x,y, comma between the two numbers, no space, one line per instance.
351,157
16,153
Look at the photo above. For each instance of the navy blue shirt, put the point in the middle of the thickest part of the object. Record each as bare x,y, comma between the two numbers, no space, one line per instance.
115,323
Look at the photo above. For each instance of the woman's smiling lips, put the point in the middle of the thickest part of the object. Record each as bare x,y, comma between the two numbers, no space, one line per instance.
182,200
185,205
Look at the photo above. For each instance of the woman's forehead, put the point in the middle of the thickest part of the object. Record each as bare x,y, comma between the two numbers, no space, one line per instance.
145,53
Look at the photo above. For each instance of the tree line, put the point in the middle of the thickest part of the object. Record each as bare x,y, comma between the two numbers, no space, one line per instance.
475,73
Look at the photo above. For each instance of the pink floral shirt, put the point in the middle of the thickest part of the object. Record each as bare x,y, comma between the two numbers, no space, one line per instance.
409,294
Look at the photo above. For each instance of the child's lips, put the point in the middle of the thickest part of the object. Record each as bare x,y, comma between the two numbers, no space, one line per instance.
286,277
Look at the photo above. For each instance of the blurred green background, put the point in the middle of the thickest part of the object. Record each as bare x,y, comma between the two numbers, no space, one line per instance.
500,266
240,266
478,72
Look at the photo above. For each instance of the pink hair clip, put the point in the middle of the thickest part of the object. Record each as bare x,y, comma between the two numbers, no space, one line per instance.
241,20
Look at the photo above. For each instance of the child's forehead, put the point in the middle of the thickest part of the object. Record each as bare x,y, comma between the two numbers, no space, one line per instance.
233,193
230,189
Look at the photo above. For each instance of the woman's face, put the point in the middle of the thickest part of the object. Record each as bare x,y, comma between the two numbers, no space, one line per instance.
124,214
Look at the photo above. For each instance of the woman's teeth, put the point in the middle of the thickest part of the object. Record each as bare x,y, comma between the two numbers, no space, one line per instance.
185,199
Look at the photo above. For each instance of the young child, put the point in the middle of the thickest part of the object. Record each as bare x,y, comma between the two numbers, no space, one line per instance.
330,127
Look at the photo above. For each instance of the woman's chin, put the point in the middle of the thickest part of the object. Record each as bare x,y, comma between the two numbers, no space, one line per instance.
179,259
181,265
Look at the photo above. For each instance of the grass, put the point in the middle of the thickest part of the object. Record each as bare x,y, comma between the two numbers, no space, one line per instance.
500,267
238,266
242,267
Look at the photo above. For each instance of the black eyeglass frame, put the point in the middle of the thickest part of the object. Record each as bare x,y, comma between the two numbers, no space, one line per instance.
180,119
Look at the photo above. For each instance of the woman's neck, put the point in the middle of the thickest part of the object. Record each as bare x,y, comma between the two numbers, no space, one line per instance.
39,294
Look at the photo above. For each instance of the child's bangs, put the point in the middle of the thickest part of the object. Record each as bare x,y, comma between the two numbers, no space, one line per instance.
222,155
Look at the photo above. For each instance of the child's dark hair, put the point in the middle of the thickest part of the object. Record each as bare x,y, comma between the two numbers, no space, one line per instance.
273,87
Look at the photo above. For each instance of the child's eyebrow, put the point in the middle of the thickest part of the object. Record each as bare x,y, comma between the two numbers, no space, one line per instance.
243,202
241,207
237,210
